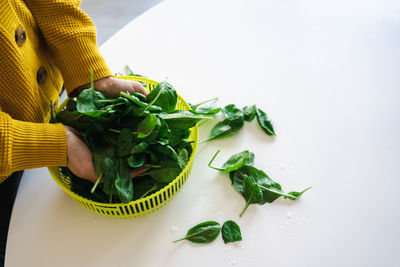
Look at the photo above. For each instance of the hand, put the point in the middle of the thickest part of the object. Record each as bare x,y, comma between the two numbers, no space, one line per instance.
113,86
80,159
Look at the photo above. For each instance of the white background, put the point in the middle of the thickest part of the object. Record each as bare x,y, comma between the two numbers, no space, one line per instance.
327,74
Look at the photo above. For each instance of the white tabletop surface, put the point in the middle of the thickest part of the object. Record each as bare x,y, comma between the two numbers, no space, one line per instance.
328,75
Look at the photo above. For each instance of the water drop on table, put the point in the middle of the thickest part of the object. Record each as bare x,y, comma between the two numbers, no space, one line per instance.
289,215
233,262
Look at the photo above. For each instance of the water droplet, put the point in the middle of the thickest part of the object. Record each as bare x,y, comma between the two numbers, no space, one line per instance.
233,262
173,229
242,246
289,215
303,219
281,227
282,166
225,249
308,214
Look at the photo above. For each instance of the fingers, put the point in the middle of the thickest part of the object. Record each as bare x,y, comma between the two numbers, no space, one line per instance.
138,87
79,157
113,86
135,173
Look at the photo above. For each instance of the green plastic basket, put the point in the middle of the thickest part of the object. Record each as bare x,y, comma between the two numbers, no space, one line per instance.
144,205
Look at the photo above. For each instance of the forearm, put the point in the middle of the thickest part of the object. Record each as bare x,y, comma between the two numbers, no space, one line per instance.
27,145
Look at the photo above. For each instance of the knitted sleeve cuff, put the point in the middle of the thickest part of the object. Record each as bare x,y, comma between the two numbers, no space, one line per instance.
35,145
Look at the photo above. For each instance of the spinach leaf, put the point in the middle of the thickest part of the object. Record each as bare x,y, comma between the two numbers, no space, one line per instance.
99,155
233,123
207,110
182,119
123,184
166,96
251,192
108,167
224,129
249,112
164,130
231,112
168,171
231,232
139,148
125,142
270,189
141,97
167,151
203,233
88,100
183,157
137,160
146,126
235,162
177,135
145,186
295,195
202,104
204,109
265,123
139,103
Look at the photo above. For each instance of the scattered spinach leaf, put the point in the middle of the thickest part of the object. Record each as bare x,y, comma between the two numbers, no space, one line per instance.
231,232
235,162
265,123
203,233
249,112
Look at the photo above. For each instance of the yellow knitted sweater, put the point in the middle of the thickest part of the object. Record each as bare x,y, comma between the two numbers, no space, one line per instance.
42,44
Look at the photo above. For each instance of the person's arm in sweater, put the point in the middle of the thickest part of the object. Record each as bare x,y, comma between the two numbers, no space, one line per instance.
71,37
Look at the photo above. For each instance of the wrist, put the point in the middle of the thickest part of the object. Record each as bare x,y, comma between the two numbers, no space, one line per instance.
100,85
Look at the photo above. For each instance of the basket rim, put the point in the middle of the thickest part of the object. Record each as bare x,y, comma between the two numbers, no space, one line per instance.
194,131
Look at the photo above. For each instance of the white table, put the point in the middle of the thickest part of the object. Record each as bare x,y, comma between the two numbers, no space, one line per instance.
327,73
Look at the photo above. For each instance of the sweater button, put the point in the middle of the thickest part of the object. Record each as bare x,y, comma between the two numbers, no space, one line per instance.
20,36
41,76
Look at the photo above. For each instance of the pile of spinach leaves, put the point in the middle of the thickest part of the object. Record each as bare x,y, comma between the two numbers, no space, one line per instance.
127,133
253,184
